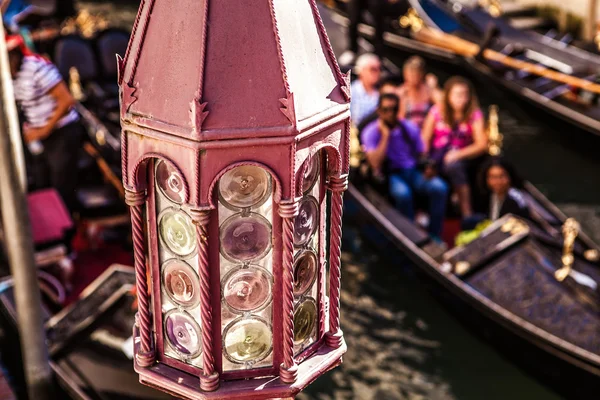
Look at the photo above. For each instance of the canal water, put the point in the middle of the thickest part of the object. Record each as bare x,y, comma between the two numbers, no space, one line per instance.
402,343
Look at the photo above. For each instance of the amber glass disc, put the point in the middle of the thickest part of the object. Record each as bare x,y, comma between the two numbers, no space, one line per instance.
170,182
181,283
245,238
305,271
307,221
305,320
244,186
247,341
177,232
247,289
183,333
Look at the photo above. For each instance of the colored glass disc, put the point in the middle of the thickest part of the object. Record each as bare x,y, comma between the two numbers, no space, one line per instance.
178,232
307,221
181,283
244,186
305,272
245,239
311,173
170,182
183,333
248,340
305,319
247,289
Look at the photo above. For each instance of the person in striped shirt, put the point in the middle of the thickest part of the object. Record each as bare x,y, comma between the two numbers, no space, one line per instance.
50,120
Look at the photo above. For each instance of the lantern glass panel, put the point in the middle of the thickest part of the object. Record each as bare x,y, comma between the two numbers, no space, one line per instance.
246,265
308,256
175,252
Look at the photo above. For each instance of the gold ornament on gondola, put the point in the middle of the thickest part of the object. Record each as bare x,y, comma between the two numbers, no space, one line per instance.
495,138
85,24
570,231
514,226
493,7
411,20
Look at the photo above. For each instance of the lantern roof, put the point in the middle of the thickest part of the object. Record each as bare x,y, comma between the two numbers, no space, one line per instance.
213,69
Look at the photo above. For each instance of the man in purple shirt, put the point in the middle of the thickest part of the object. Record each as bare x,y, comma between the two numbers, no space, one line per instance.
399,142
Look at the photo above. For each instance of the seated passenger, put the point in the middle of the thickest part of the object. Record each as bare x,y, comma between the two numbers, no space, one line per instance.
364,89
400,143
498,181
387,85
416,94
453,134
52,128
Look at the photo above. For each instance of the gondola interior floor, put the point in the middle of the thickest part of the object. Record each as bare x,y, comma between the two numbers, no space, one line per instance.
90,264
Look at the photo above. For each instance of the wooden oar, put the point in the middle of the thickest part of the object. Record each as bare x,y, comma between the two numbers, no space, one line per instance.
469,49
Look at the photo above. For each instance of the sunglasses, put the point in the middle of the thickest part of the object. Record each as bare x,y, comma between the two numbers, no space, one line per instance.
388,109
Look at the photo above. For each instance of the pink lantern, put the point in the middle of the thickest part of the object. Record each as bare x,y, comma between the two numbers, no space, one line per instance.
235,139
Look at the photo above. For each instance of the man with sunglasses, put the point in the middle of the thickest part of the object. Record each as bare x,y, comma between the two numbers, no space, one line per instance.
397,145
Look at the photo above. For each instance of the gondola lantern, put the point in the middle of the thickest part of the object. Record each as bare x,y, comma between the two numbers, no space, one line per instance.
235,141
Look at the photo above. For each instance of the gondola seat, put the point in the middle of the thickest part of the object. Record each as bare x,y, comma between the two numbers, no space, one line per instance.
74,51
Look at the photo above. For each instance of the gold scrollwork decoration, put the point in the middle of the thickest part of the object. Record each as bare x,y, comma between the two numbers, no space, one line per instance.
85,24
495,138
411,20
570,231
515,226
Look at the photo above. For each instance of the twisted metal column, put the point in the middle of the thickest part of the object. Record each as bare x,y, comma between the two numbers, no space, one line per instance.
289,370
209,380
135,200
338,186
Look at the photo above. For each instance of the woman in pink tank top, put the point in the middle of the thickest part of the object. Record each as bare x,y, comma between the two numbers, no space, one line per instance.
416,94
453,134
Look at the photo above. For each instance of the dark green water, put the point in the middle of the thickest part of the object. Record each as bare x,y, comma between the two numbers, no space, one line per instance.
402,343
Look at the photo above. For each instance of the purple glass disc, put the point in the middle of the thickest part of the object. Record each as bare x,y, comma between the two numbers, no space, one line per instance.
183,333
245,239
307,221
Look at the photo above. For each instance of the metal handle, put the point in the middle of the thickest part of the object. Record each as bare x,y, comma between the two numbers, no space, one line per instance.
570,231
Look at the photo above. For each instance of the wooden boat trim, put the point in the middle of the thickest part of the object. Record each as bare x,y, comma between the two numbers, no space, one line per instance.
398,41
543,200
563,112
551,343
